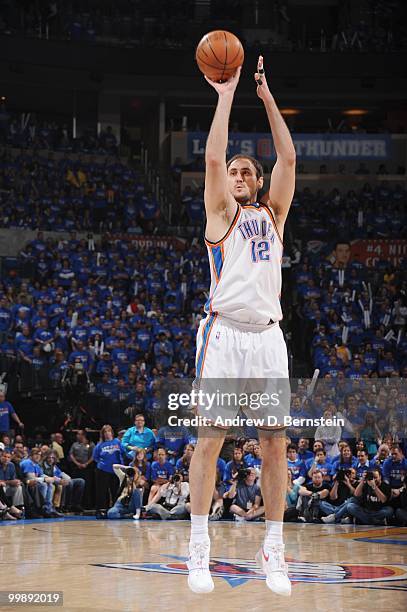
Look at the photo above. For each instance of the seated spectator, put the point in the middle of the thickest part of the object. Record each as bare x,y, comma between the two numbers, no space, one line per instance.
303,450
291,499
295,465
35,478
370,502
364,464
311,494
345,460
9,483
129,500
69,491
183,463
321,464
401,511
173,439
342,491
233,466
254,459
383,452
169,501
245,495
217,507
395,474
161,471
139,436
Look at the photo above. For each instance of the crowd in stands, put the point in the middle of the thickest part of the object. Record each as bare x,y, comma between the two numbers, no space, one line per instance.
375,212
378,28
143,473
64,194
30,131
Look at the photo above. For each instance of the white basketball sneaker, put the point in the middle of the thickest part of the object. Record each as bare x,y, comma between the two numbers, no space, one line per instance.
274,566
199,576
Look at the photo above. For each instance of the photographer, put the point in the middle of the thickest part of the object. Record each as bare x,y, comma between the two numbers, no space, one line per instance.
310,496
369,502
342,490
170,500
128,502
401,511
246,495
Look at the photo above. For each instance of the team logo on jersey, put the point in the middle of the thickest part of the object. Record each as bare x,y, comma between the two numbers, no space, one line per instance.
239,571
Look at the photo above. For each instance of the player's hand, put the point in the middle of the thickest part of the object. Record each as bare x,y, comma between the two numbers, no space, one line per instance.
262,88
228,86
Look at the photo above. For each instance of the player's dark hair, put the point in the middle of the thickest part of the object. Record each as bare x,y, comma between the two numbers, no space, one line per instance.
253,160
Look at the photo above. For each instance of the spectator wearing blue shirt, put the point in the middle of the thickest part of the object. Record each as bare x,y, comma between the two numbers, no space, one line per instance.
82,354
295,465
345,461
364,464
5,319
139,436
233,466
395,469
161,471
34,475
71,490
183,463
24,342
321,464
6,412
12,487
173,439
163,351
303,452
107,452
254,459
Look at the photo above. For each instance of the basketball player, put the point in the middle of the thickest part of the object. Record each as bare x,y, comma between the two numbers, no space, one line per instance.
240,336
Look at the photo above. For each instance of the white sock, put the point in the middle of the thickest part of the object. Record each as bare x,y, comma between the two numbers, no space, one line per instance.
199,528
274,533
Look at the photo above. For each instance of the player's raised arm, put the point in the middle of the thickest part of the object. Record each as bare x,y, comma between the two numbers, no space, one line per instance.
219,203
282,182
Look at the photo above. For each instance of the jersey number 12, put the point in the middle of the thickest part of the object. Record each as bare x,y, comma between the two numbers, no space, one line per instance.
260,251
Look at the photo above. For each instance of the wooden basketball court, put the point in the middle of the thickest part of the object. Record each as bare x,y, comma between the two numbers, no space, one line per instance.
130,566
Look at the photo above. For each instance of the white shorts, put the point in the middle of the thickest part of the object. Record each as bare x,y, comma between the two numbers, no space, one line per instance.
230,359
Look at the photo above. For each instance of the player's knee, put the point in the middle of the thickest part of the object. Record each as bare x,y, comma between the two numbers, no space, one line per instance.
209,446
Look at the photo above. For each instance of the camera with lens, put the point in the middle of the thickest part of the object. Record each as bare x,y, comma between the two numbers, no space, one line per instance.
340,476
175,478
369,476
242,474
130,472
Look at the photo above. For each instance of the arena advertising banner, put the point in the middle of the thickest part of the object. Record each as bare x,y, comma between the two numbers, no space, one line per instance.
322,147
146,242
368,251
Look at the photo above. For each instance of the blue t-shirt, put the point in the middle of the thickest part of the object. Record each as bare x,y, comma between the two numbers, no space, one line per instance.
394,472
28,466
106,453
159,470
6,410
297,468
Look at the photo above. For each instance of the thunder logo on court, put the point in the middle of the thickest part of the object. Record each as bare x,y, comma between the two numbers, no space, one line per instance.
238,571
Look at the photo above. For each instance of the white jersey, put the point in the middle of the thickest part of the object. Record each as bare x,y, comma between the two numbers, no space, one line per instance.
246,269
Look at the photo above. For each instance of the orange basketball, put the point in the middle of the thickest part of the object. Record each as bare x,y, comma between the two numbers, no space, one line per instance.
219,54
